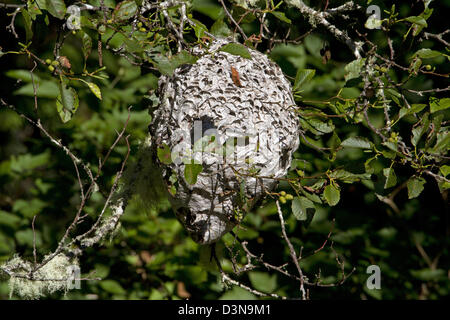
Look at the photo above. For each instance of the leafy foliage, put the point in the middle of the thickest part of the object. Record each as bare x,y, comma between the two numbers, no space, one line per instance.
371,175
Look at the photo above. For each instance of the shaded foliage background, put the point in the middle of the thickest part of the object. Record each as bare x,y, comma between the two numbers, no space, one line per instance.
152,257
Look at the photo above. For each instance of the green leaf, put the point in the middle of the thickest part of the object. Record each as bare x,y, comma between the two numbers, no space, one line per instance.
262,281
112,286
332,195
357,142
427,53
167,66
87,44
445,170
236,49
439,104
415,186
391,178
125,10
199,29
191,171
66,103
95,89
429,274
303,75
281,16
417,20
45,89
302,208
353,69
220,29
28,24
164,154
56,8
9,219
24,75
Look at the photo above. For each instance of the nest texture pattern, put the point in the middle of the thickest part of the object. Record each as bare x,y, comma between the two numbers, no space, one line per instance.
234,116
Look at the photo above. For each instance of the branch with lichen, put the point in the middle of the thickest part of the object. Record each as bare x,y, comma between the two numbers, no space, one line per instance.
316,18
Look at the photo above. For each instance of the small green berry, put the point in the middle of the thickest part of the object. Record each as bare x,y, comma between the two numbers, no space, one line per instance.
139,25
289,197
48,61
282,199
51,68
55,63
142,30
283,193
428,67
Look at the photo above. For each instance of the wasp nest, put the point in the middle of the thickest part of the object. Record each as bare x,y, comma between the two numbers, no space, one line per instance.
234,119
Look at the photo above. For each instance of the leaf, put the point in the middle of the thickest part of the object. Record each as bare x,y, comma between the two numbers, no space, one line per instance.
302,208
303,75
220,29
199,29
281,16
415,186
417,20
95,89
167,66
439,104
262,281
45,89
391,178
66,103
28,24
427,53
87,44
353,69
56,8
357,142
164,154
332,195
236,49
191,172
445,170
24,75
125,10
112,286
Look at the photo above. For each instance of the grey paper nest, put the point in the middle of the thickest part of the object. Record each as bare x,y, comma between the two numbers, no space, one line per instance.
250,122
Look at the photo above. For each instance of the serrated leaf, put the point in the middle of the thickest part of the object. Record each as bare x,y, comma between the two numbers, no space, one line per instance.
236,49
302,208
439,104
303,75
125,10
191,172
427,53
56,8
332,195
391,178
87,44
357,142
167,66
66,103
353,69
415,186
